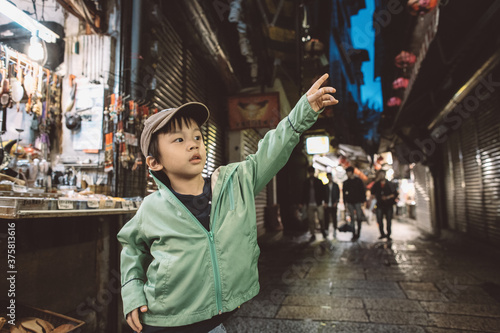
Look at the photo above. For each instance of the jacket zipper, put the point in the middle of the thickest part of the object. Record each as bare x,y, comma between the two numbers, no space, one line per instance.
210,234
215,266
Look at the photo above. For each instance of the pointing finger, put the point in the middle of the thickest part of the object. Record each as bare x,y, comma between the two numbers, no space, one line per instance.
319,82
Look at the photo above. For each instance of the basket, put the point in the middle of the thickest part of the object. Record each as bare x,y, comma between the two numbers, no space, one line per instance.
54,318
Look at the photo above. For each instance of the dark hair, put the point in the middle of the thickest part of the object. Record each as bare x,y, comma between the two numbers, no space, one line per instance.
349,169
178,121
310,169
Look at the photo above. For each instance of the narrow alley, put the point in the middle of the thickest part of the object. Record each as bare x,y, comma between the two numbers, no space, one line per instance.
409,285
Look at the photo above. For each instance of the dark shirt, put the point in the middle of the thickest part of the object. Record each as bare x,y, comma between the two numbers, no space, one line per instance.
316,186
332,195
378,191
354,191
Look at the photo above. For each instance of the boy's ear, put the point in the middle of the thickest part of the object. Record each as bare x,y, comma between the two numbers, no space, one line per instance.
153,164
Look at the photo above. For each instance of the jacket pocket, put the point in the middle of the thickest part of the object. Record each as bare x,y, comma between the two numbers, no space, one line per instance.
162,279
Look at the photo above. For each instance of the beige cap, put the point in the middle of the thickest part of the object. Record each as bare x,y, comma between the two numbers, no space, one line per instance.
198,111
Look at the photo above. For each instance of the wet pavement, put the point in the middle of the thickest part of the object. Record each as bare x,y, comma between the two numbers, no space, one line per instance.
412,284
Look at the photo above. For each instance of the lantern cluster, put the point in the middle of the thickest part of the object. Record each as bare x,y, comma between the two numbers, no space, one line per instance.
405,59
421,7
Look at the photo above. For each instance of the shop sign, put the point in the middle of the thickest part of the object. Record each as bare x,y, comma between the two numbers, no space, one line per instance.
254,111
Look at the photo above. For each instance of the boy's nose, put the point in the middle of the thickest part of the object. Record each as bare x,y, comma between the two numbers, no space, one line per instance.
193,145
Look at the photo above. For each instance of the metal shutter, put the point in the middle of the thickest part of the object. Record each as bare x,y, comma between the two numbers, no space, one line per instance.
472,178
423,208
450,186
488,132
458,183
251,138
472,173
169,72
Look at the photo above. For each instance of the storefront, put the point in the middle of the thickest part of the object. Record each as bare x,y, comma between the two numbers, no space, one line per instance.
71,171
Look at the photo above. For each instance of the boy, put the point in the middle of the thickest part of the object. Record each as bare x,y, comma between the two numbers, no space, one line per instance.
190,253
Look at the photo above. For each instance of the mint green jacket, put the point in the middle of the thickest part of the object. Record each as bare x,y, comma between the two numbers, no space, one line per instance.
182,272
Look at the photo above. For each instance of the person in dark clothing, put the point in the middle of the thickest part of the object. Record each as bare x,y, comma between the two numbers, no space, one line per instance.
313,198
353,190
386,195
332,199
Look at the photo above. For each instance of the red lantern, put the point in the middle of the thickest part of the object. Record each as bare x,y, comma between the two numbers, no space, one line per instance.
405,59
394,101
421,7
400,83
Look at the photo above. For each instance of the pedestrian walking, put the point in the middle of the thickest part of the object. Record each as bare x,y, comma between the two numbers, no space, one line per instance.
332,200
354,196
313,199
385,193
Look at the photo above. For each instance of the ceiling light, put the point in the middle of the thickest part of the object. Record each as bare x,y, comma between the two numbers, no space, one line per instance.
36,50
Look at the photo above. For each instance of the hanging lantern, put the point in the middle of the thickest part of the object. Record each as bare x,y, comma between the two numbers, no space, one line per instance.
405,59
400,83
394,101
421,7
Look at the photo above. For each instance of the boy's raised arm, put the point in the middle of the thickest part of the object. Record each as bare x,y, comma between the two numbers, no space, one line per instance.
277,145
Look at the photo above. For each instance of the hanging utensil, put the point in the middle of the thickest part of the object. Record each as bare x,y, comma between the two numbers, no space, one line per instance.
5,91
16,84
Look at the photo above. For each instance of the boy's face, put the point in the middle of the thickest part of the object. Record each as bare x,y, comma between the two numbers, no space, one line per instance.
182,152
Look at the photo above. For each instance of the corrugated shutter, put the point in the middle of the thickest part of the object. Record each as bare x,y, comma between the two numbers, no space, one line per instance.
472,178
459,184
423,209
488,132
169,72
450,186
250,140
472,173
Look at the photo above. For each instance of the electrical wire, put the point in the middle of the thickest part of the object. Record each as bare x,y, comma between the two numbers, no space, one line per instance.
34,8
43,10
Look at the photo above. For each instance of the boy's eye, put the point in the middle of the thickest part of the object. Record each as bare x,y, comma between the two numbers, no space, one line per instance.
197,137
179,140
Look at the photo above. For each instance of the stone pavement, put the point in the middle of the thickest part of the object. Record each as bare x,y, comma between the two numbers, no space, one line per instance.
411,284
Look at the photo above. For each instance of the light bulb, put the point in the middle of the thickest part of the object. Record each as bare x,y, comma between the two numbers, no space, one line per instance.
35,51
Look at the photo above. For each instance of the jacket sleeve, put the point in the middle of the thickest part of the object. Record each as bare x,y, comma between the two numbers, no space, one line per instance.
134,260
277,145
336,190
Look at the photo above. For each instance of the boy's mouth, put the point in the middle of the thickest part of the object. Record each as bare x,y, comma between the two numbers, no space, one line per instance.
195,158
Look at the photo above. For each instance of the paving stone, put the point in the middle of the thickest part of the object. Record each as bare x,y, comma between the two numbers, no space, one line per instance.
426,295
335,275
419,286
391,304
444,330
465,322
393,277
483,310
368,293
259,309
397,317
363,284
255,325
323,300
466,294
348,327
322,313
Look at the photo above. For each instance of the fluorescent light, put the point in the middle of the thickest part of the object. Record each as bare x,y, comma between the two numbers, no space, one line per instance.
18,16
317,145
